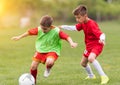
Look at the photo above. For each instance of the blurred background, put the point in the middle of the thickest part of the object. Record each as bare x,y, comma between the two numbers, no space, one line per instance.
23,13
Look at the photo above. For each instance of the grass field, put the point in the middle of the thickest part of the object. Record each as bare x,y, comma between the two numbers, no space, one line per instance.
16,57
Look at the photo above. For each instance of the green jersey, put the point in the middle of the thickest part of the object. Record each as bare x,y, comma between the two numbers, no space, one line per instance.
48,42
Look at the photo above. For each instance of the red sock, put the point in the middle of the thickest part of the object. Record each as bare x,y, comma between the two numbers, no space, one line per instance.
48,67
34,73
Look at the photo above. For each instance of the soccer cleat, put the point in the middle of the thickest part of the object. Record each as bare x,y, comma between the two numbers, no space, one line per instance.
46,72
88,77
104,79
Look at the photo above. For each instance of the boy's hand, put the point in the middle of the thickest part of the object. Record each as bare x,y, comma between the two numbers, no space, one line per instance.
20,36
15,38
73,45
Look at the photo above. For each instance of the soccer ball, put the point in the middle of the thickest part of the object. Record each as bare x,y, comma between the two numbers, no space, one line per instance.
26,79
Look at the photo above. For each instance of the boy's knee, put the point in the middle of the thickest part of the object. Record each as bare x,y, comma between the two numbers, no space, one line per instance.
33,67
90,59
50,61
83,64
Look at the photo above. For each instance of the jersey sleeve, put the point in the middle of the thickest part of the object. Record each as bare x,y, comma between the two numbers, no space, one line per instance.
63,35
67,27
33,31
78,27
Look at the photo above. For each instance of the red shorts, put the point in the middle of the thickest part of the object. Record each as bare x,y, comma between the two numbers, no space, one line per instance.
96,49
41,57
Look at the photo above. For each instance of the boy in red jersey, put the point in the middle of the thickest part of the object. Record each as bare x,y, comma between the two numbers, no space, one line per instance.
48,44
94,41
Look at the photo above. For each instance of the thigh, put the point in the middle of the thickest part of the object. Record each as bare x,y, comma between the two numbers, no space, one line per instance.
91,57
97,49
52,55
39,57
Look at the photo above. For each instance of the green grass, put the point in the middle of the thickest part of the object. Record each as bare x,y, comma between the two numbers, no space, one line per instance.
16,58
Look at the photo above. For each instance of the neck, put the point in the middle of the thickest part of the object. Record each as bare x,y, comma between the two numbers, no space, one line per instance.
86,20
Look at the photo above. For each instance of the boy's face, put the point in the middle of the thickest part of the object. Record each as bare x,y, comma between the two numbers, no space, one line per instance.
80,19
45,29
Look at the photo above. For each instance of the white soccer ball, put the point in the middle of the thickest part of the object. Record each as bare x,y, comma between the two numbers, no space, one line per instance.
26,79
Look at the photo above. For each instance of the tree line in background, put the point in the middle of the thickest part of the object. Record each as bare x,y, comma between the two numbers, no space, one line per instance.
99,10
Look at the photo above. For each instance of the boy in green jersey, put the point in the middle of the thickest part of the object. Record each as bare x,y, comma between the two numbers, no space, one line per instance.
48,44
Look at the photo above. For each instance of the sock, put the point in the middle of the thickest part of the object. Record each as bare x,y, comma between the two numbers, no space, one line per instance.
89,71
98,67
48,67
34,73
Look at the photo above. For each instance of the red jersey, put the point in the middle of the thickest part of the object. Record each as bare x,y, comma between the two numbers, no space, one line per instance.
34,31
92,33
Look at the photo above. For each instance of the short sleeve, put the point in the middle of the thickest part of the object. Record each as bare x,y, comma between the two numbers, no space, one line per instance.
33,31
63,35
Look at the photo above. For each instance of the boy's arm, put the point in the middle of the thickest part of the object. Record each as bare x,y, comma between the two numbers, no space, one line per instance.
33,31
72,44
20,36
67,27
96,31
67,38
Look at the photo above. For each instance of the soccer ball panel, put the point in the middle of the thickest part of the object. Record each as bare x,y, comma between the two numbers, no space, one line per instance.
26,79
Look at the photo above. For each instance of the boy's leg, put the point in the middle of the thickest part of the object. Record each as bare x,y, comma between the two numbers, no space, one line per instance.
87,67
96,64
50,59
49,64
104,78
33,69
89,72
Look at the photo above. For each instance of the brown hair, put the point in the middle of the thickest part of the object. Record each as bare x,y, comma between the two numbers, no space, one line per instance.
82,10
46,21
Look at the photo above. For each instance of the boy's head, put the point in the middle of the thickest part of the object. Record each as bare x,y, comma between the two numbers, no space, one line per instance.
80,13
80,10
46,22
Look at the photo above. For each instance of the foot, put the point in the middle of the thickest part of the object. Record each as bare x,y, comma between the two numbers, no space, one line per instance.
104,79
93,77
46,72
